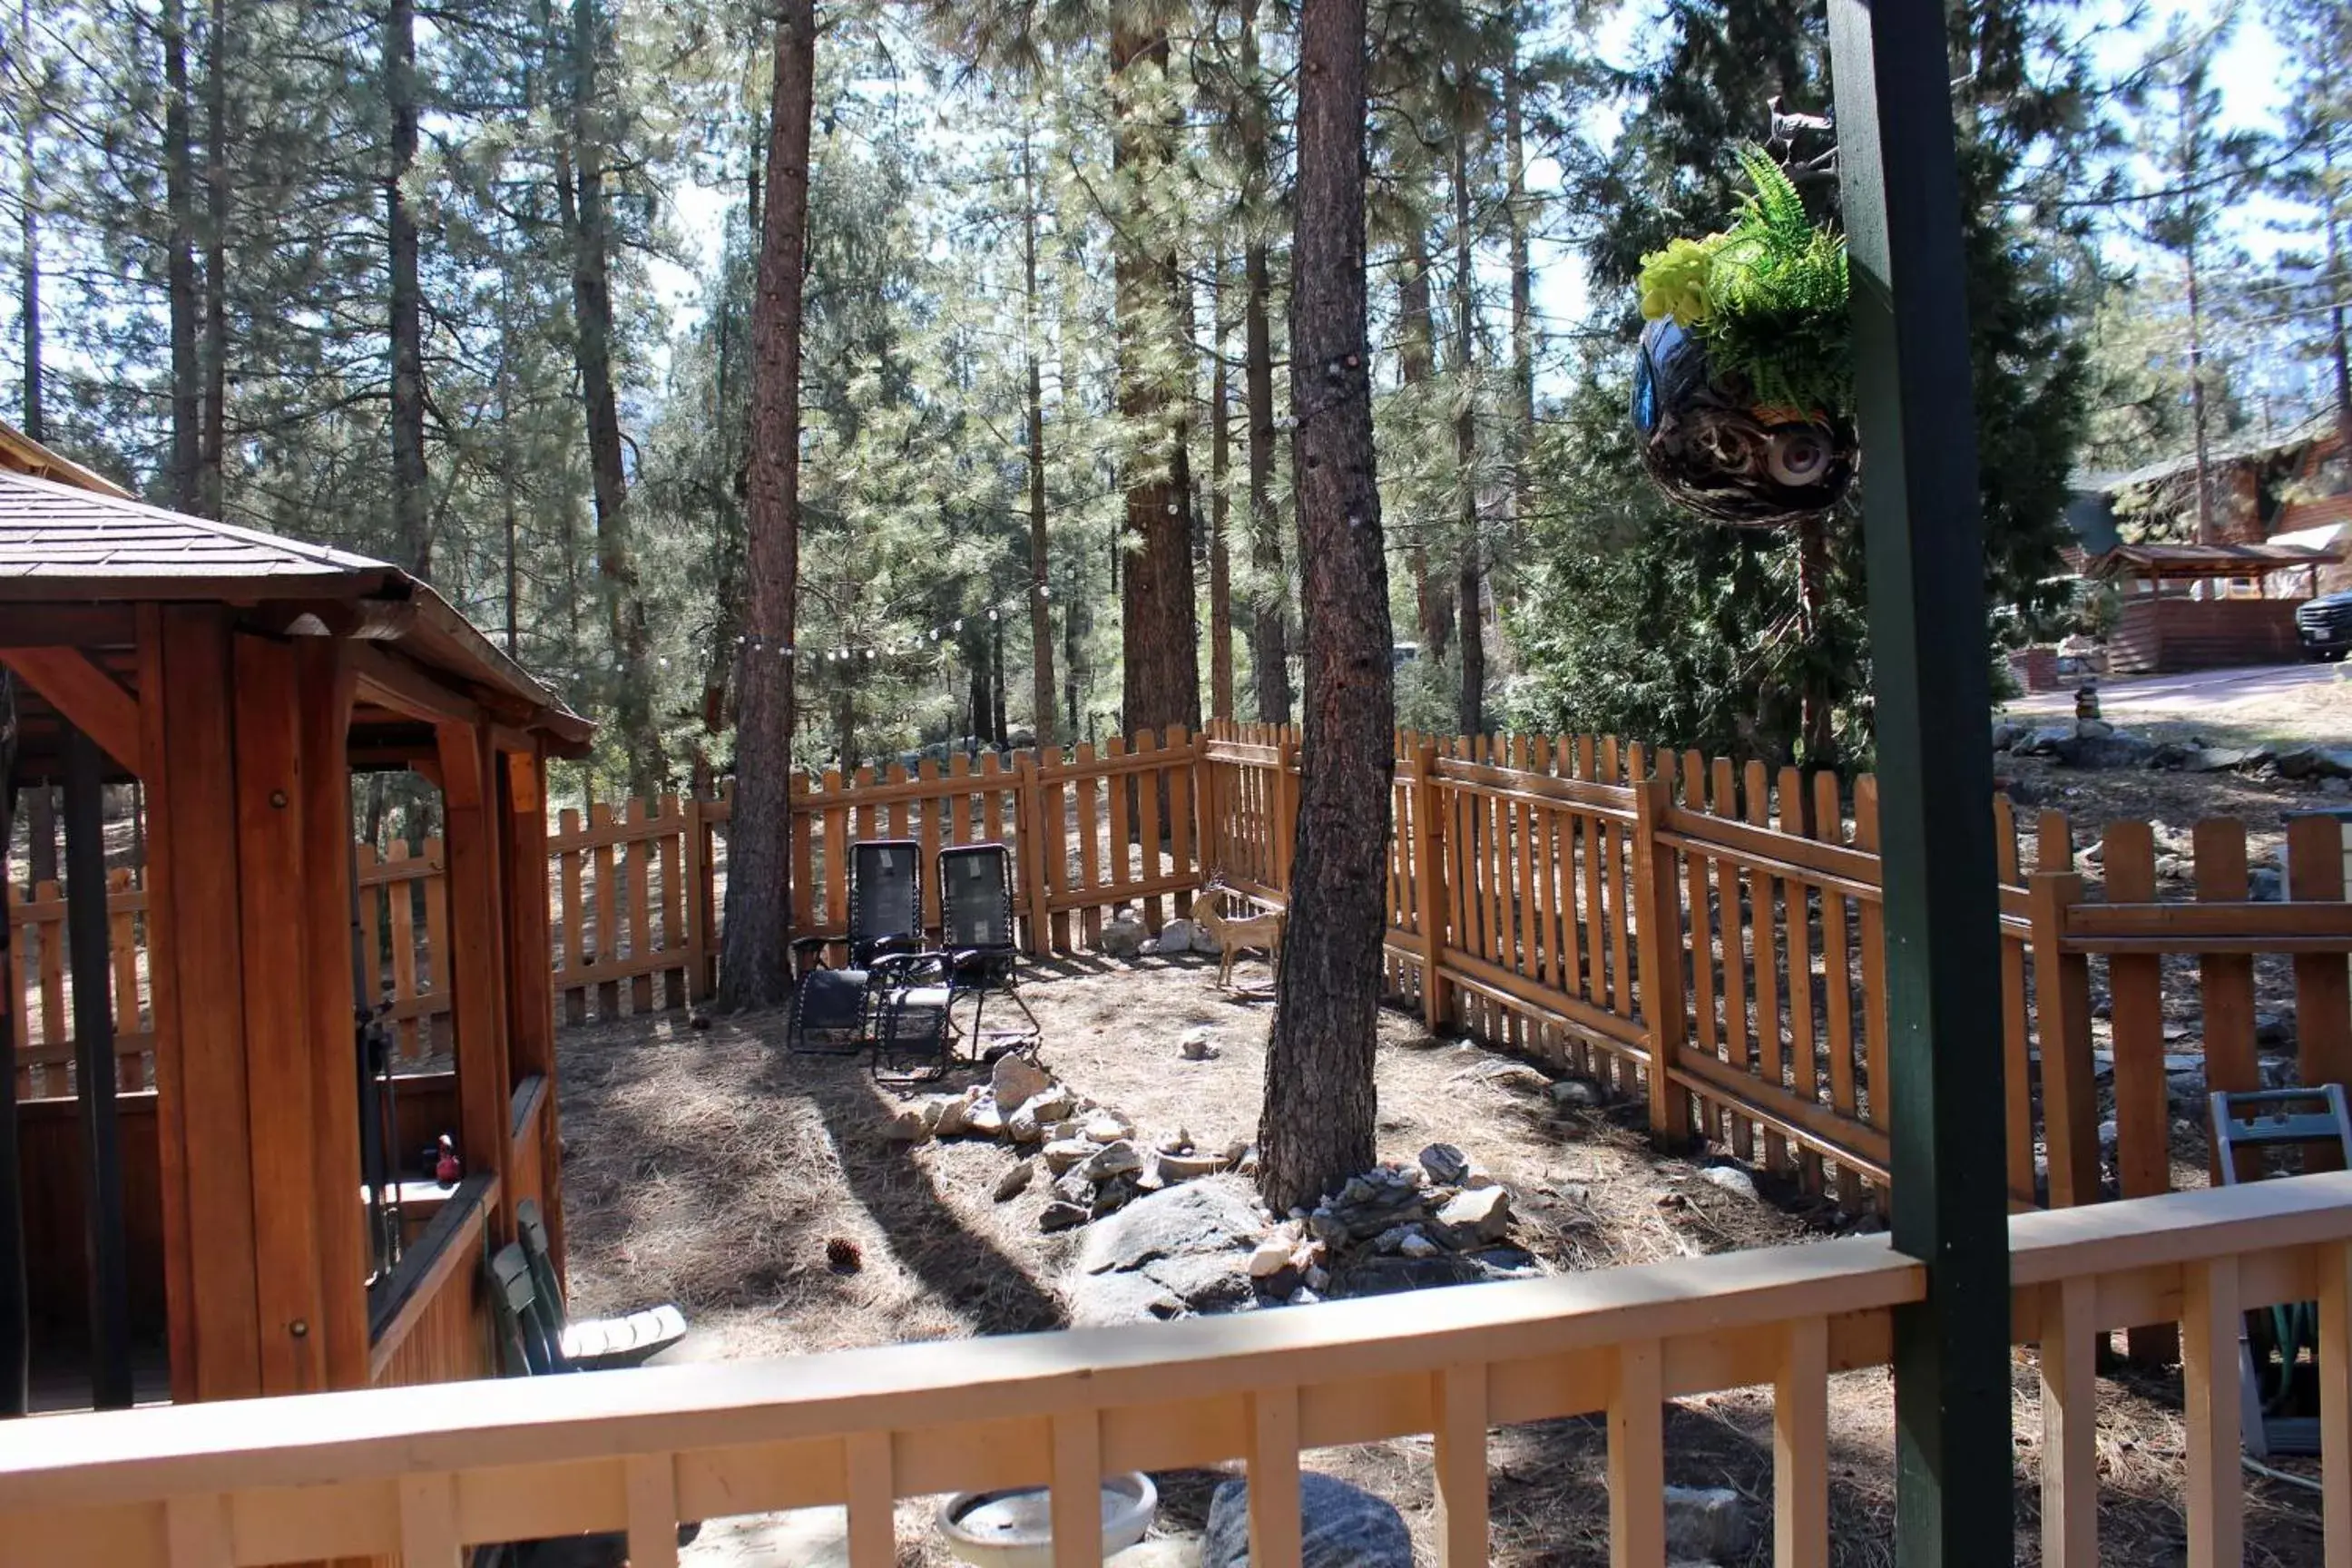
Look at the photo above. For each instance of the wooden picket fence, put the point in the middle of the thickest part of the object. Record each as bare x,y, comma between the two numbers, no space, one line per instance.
1702,936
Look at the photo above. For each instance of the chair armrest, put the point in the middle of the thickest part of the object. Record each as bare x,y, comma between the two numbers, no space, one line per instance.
901,968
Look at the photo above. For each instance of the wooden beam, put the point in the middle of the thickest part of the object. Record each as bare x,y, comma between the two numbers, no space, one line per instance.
87,697
68,625
324,683
271,908
478,959
399,684
195,963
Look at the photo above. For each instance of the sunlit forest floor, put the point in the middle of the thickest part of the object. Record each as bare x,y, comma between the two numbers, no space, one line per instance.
711,1168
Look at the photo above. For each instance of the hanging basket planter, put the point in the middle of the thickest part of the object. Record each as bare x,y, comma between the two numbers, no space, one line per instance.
1742,384
1713,449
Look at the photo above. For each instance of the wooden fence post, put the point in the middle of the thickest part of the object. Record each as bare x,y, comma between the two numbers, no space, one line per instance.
1285,809
2062,987
1030,790
1428,878
1657,899
700,948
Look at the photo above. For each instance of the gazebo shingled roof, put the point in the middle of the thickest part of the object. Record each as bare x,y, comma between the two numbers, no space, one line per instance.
71,554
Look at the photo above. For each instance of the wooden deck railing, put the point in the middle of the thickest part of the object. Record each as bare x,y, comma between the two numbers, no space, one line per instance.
1702,936
420,1474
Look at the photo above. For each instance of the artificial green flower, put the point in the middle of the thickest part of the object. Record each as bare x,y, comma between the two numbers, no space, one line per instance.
1673,280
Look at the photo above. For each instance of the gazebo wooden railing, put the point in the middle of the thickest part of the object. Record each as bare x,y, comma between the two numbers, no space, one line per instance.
421,1474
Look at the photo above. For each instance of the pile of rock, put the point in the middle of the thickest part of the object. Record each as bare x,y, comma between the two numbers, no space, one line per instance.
1438,1221
2095,743
1092,1155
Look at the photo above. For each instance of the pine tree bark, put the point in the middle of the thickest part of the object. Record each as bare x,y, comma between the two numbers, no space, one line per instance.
589,214
752,970
1269,614
1316,1129
1041,559
1432,603
410,521
28,299
180,260
213,439
1523,331
1159,631
1221,565
1470,569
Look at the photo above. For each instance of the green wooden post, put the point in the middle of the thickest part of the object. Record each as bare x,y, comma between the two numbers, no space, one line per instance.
1929,651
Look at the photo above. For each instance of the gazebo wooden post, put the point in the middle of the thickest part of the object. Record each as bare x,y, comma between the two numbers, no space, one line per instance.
530,986
16,1324
279,1046
324,684
478,956
196,964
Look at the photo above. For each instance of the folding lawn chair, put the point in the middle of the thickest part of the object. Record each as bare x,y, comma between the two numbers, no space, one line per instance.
591,1344
976,933
834,1010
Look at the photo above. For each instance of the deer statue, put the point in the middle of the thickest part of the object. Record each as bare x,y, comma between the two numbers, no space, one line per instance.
1263,932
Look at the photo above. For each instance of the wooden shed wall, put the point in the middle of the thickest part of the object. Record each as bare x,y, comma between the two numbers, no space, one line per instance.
2162,636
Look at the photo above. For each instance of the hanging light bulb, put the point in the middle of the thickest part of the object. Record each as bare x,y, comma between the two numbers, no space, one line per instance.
991,615
959,626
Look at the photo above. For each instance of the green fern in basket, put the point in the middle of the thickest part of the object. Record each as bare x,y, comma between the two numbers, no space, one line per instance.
1768,295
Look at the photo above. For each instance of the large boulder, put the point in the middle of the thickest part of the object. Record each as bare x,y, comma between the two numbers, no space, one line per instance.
1340,1526
2115,750
1167,1254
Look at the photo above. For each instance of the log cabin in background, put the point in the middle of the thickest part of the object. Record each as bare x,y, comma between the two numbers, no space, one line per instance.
236,1228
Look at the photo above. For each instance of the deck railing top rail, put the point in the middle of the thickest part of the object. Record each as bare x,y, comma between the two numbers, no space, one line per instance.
419,1472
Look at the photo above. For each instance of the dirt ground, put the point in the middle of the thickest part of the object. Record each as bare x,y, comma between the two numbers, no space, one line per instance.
712,1169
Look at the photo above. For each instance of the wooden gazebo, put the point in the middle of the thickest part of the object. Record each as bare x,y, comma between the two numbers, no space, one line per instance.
2200,606
241,679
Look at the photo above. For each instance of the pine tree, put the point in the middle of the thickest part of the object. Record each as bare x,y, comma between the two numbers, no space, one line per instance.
2199,170
752,971
1318,1124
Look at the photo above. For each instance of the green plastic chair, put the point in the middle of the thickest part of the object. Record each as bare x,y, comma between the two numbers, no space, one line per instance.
592,1344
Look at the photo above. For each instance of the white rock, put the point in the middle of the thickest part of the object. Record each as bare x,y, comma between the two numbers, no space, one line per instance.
1198,1044
1124,937
1731,1179
1108,1127
1069,1154
911,1126
985,1120
953,1116
1017,1079
1417,1245
1205,940
1119,1158
1177,936
1485,1212
1022,1126
1269,1258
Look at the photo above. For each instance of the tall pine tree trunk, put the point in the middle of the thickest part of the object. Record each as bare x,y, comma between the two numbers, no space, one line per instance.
213,439
1221,564
1316,1129
752,970
1523,333
408,480
1470,573
179,260
592,312
2337,284
1432,603
41,800
1041,559
1269,618
1158,631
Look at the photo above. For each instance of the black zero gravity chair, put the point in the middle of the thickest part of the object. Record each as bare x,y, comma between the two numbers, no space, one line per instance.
976,935
835,1011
